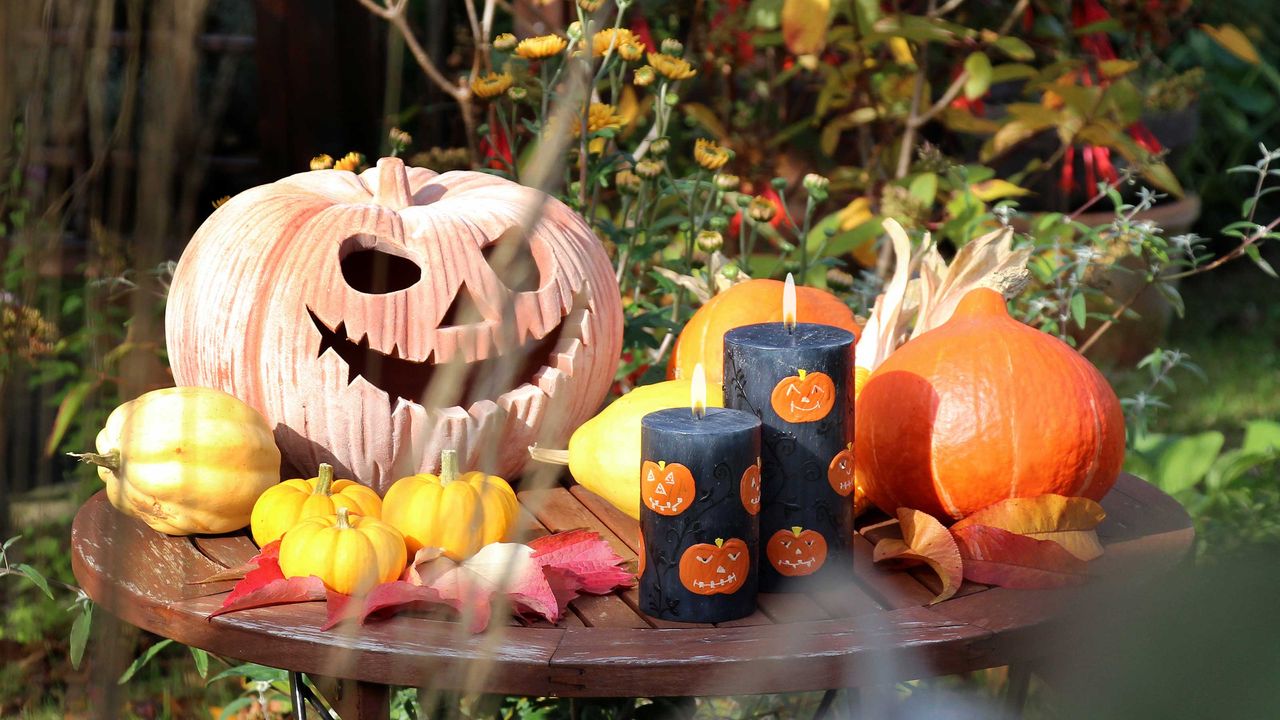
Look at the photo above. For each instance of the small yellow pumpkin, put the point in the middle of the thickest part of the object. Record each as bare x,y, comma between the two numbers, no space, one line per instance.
458,513
282,506
349,553
186,460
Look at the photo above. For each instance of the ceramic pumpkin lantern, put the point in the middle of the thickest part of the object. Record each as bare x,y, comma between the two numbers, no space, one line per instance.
376,319
984,408
722,568
666,488
795,551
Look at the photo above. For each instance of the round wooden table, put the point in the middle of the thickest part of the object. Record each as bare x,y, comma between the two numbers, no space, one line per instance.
877,628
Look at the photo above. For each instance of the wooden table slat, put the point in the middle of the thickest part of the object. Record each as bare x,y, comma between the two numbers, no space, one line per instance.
893,589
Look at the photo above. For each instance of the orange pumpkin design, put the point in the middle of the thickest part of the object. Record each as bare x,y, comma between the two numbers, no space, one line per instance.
707,569
796,551
803,397
840,472
666,489
640,567
751,488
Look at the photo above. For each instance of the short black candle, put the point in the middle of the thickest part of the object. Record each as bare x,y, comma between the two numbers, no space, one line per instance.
799,382
699,499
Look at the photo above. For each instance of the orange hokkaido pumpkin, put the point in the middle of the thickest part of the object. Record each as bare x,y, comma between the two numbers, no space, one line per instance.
984,408
748,303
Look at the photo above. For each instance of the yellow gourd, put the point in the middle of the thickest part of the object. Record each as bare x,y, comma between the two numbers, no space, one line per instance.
604,452
186,460
282,506
349,553
458,513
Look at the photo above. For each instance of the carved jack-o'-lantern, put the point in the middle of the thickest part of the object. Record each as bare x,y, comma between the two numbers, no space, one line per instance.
666,489
840,471
376,319
803,397
708,569
796,551
750,490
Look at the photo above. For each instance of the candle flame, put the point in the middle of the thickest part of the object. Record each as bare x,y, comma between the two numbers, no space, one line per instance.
789,304
698,392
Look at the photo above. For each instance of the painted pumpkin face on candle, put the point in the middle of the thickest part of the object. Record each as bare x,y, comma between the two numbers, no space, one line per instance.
840,472
666,489
796,551
707,569
803,397
750,490
640,565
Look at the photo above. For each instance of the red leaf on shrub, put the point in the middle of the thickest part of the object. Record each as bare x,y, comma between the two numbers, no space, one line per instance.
998,557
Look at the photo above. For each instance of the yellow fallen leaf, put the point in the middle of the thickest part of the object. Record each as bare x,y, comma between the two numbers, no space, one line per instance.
996,189
1068,521
924,540
804,25
1233,41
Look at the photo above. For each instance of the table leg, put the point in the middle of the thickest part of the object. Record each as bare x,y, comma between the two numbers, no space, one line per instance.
824,707
1015,696
358,700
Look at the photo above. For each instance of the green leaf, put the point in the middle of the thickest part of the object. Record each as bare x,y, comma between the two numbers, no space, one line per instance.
1231,466
1078,312
978,65
9,543
232,708
1261,436
142,660
1015,48
201,659
1187,460
1256,257
80,634
924,187
36,577
68,410
1170,293
252,672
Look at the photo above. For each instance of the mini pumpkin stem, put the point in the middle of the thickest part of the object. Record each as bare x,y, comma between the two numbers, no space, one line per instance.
344,518
448,466
110,461
324,480
549,456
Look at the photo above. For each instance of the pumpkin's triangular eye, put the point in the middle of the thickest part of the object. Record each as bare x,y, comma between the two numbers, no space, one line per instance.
650,477
734,556
464,310
703,560
512,261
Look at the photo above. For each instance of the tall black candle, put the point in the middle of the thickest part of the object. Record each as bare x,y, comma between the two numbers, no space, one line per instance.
799,382
699,498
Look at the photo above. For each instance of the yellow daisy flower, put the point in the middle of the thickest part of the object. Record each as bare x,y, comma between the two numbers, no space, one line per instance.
352,161
542,46
618,40
600,116
506,42
321,162
672,68
710,155
491,84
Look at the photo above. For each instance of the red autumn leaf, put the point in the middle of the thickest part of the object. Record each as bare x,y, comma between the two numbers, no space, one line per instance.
390,598
266,585
998,557
1068,521
585,555
924,540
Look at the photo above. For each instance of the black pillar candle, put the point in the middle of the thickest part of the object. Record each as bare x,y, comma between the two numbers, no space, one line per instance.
799,382
699,499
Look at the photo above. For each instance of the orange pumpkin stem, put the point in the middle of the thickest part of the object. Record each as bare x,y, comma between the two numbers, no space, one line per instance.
344,518
448,466
324,480
393,185
981,302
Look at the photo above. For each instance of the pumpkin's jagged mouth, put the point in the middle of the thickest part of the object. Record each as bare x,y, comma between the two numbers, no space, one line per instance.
716,584
411,380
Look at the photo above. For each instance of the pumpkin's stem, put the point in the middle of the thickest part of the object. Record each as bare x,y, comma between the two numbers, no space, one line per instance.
795,530
549,456
344,518
393,185
324,481
448,466
110,461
